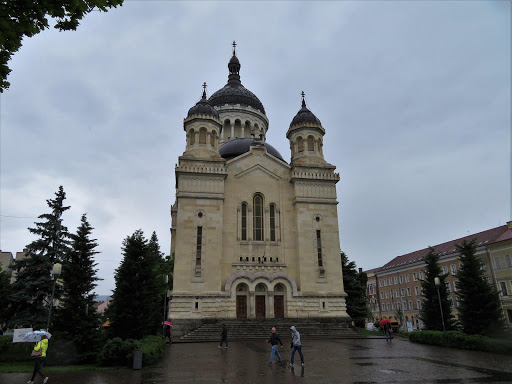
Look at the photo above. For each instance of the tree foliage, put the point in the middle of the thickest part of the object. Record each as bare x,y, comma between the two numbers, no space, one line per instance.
430,310
31,292
354,283
20,18
5,292
137,302
479,304
76,318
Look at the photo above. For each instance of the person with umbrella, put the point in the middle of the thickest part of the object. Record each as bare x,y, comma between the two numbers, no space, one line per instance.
167,330
40,351
387,328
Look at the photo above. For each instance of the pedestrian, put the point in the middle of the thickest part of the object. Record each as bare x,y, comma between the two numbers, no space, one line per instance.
296,345
168,328
224,336
387,329
274,339
41,347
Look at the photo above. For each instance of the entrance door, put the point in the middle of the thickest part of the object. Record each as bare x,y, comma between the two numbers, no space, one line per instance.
279,306
260,306
241,307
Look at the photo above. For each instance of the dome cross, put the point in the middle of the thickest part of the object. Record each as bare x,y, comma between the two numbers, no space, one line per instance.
234,48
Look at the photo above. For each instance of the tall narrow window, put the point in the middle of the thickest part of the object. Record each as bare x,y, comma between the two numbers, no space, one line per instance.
199,248
300,144
192,137
258,218
272,222
319,247
311,143
202,136
244,221
212,139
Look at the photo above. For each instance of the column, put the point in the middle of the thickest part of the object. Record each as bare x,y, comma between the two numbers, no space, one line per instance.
252,305
270,304
243,126
232,131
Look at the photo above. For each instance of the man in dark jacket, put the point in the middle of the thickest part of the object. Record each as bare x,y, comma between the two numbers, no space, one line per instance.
274,339
224,336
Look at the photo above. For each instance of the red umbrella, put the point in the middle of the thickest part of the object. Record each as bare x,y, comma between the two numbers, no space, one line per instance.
168,323
384,321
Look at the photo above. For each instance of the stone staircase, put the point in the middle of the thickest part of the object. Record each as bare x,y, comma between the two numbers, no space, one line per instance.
247,329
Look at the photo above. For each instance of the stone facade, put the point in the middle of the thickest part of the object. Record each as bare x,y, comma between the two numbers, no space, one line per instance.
252,235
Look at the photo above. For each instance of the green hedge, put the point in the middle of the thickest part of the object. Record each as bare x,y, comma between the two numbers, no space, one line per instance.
120,352
10,352
457,339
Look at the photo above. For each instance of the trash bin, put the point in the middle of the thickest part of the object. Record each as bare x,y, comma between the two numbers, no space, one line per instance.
137,359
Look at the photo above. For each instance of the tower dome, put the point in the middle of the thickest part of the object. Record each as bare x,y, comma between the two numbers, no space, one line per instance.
203,107
305,116
234,92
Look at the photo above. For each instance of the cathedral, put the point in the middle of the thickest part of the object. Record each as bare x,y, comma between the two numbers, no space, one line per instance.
253,235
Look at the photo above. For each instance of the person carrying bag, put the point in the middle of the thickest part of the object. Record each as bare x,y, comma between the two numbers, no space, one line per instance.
39,353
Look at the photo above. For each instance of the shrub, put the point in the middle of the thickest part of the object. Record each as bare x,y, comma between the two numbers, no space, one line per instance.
10,351
457,339
120,352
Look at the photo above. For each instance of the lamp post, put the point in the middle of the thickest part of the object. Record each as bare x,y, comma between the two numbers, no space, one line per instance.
437,282
56,271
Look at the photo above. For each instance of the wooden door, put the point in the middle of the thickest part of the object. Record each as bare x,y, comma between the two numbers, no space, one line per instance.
279,306
260,306
241,307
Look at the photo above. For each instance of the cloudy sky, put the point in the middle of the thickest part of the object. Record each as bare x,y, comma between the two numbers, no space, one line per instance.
414,97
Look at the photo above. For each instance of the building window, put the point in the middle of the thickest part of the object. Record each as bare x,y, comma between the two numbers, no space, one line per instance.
418,304
417,291
385,282
258,218
454,286
407,278
202,136
503,287
507,261
411,306
300,145
408,291
311,143
390,281
400,279
382,295
389,307
387,294
397,293
445,269
212,139
272,222
497,262
415,276
451,301
454,268
404,303
383,306
192,137
402,292
395,279
448,286
380,283
319,247
199,248
244,221
421,275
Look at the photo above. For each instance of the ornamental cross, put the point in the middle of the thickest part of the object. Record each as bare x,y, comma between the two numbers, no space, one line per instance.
204,86
303,94
234,47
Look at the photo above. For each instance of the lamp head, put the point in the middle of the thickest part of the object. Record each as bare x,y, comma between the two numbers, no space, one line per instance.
437,282
57,270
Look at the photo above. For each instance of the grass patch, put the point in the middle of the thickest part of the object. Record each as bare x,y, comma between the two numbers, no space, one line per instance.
28,366
365,332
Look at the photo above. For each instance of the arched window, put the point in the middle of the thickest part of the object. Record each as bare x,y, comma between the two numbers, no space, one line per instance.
258,218
311,143
202,136
212,139
272,222
244,221
300,144
192,137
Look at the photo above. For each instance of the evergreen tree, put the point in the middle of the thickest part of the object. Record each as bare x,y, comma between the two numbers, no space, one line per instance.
354,283
5,292
76,318
430,310
137,306
31,292
479,304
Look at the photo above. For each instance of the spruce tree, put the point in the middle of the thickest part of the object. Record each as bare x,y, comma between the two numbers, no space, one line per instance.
5,292
31,292
479,304
354,284
430,310
137,302
76,318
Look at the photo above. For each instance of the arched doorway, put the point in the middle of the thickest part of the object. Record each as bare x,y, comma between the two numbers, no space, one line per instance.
279,295
260,300
242,291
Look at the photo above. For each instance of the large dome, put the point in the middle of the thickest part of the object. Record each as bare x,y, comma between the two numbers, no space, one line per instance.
237,147
234,92
203,107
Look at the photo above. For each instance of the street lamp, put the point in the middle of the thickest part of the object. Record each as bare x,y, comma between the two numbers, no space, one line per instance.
437,282
56,271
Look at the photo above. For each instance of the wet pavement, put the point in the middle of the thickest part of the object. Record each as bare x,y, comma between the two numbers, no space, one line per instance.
361,361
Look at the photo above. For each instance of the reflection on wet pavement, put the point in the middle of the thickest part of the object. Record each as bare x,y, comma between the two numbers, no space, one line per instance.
326,361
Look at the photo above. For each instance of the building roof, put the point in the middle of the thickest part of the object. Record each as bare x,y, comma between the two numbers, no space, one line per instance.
237,147
482,238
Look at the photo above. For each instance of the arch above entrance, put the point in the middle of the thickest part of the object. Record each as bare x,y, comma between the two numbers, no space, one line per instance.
260,275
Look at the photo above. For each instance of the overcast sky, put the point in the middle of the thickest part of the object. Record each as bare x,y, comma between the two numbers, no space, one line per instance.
414,98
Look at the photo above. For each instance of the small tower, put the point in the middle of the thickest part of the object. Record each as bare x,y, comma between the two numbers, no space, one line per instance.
306,137
203,127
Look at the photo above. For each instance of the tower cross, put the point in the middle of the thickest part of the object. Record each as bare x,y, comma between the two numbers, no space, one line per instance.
234,47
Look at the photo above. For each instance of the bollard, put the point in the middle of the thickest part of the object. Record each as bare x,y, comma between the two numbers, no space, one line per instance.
137,359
